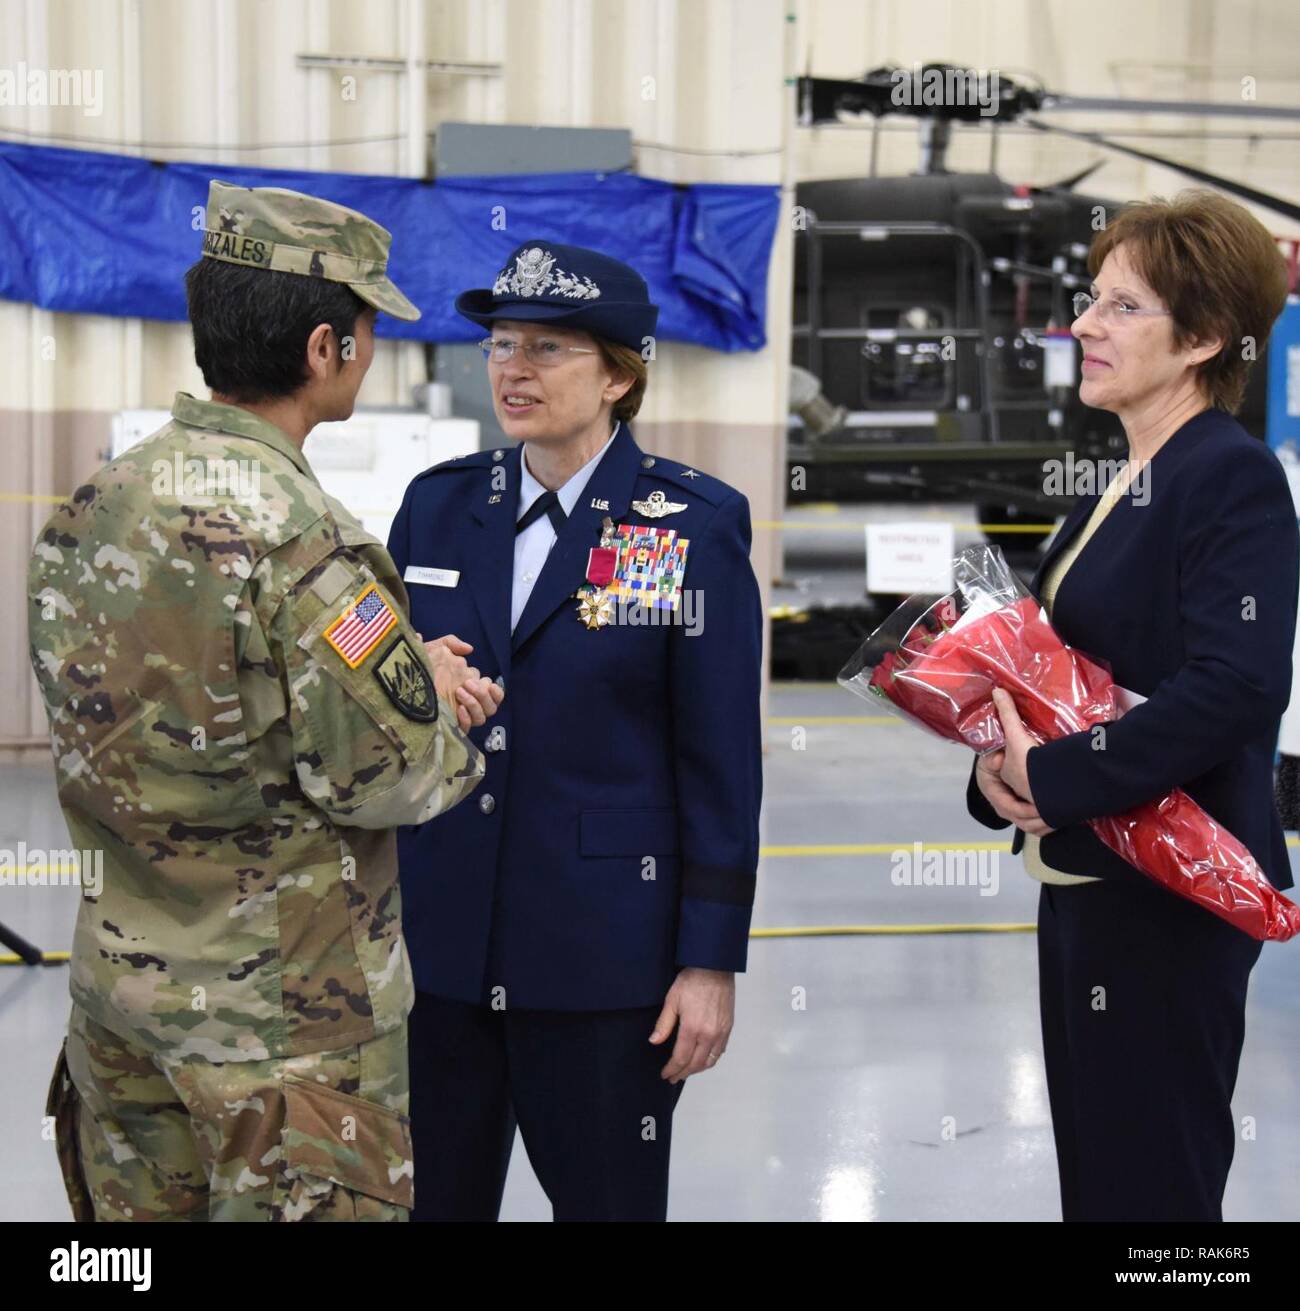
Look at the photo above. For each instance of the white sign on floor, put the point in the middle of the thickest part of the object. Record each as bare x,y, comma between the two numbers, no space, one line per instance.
909,557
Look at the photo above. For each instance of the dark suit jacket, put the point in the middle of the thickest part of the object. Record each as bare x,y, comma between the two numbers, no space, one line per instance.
624,767
1191,600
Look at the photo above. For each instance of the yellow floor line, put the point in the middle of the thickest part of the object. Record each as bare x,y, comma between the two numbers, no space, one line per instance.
45,872
1009,527
879,848
826,849
887,848
859,849
849,525
859,930
775,524
798,931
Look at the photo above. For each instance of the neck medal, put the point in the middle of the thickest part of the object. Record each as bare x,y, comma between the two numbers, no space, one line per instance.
595,609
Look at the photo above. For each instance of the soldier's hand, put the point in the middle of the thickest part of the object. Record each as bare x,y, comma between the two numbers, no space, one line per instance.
479,698
460,684
450,670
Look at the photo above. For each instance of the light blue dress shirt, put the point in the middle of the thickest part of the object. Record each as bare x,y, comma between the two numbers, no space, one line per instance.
533,545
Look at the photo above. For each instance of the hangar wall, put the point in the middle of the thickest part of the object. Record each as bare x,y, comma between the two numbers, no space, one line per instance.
702,84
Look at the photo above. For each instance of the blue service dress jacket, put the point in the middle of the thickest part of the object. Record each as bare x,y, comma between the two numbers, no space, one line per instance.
1191,600
614,838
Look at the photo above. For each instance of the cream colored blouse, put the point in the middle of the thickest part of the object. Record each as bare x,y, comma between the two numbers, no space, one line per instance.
1030,853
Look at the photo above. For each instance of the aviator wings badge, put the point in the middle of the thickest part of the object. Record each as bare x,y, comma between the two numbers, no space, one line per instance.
656,505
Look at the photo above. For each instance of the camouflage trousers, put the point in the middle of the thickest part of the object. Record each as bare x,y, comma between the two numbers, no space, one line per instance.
142,1136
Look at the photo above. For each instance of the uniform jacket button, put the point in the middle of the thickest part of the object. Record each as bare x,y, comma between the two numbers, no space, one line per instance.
648,462
487,803
496,740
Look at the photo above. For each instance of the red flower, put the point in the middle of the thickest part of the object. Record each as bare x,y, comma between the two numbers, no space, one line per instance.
945,683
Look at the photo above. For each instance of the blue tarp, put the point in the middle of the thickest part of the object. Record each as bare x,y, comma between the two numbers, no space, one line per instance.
92,233
1283,421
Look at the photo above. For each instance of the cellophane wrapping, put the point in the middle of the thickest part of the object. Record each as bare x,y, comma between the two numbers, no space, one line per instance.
936,660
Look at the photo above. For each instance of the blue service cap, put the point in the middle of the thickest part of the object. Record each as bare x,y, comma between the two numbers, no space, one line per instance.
544,282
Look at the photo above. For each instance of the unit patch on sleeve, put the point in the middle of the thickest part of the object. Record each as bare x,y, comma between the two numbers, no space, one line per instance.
407,682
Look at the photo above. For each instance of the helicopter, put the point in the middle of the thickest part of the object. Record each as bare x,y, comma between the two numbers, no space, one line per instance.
931,354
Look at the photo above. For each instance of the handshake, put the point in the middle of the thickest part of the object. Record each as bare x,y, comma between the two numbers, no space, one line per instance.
459,684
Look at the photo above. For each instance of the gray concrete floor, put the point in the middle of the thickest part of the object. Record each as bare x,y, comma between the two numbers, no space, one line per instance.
835,1110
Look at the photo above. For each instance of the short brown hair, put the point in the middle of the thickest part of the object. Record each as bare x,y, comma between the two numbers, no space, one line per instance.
1218,271
624,358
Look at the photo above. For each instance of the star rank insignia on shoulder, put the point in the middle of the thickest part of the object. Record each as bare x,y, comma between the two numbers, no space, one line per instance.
680,480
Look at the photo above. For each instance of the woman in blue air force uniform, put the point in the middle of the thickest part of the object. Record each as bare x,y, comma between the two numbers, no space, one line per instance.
599,890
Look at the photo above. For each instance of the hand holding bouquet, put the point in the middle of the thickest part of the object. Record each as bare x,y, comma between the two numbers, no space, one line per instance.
936,661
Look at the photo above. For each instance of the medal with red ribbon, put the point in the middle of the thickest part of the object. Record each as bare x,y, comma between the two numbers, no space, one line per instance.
595,609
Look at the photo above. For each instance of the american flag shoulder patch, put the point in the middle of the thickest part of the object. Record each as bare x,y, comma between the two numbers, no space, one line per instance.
361,627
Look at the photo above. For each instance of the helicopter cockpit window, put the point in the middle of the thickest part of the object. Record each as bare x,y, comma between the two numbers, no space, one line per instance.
909,370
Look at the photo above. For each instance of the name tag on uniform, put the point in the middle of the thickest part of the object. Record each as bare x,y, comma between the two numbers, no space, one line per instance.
416,573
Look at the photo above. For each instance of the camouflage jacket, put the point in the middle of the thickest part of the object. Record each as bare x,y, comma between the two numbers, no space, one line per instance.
240,713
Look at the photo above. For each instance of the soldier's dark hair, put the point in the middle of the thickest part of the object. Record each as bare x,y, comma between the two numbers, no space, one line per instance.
251,325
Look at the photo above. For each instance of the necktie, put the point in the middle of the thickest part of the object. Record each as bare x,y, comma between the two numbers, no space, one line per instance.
546,504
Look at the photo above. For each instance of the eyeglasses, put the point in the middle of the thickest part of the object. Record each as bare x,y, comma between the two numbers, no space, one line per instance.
1111,310
544,354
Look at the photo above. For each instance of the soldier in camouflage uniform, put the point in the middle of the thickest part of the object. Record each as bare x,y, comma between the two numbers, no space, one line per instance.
241,713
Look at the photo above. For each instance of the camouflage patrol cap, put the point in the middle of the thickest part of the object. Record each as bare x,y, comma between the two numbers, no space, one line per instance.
270,228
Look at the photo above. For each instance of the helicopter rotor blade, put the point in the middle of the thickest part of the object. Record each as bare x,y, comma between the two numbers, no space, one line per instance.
1069,184
1132,105
1261,198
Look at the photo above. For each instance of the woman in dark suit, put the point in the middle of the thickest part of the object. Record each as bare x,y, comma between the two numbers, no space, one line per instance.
575,939
1182,575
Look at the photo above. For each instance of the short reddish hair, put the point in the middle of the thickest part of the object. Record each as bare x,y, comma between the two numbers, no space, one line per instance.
1218,271
626,360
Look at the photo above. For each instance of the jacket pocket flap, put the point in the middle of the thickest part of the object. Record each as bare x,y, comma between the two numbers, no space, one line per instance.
354,1142
628,832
